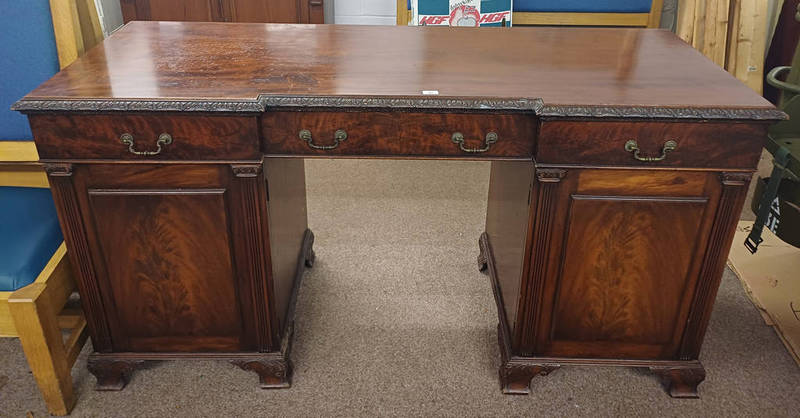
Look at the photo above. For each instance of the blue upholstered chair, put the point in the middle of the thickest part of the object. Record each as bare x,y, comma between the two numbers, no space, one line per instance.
35,274
635,13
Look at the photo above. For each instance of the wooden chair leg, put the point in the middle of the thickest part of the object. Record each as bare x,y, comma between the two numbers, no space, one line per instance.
37,326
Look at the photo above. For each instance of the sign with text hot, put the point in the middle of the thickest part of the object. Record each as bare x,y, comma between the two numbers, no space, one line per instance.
468,13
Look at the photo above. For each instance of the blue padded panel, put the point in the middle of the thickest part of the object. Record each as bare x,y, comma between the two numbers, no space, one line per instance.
28,57
586,6
29,235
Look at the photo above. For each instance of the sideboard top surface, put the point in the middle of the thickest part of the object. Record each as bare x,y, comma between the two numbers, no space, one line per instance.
249,67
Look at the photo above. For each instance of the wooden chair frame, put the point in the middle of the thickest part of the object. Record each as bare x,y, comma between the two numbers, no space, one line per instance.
36,313
644,20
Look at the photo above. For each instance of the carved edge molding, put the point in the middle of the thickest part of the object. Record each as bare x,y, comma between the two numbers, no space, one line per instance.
735,179
246,170
137,106
58,169
550,175
402,102
653,112
265,101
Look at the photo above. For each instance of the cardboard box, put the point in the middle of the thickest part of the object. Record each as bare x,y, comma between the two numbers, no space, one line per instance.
468,13
771,278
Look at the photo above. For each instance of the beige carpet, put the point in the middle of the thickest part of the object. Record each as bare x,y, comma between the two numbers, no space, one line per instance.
395,320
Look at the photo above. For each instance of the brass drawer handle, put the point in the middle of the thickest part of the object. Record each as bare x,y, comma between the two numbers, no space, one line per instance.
491,138
338,136
163,139
632,146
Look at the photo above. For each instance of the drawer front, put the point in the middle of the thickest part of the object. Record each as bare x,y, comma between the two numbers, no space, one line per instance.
398,134
698,145
187,137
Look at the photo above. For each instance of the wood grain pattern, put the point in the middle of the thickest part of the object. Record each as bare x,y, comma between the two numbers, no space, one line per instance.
734,188
72,225
544,208
562,66
747,42
624,276
397,134
183,10
220,223
507,210
282,11
168,282
288,222
621,220
252,256
595,258
702,145
516,371
67,31
581,19
98,136
273,11
681,183
35,309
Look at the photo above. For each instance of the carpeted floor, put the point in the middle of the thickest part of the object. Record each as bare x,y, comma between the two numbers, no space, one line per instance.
395,320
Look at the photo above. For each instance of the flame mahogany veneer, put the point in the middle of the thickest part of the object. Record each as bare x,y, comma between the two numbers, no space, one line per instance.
167,148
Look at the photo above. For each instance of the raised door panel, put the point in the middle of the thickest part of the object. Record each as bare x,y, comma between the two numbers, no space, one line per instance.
163,240
631,245
174,10
624,273
264,11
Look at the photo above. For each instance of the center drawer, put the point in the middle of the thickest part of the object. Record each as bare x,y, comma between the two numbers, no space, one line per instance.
398,134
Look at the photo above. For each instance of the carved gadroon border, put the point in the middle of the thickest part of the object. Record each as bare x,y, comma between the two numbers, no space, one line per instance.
661,112
269,101
266,101
137,106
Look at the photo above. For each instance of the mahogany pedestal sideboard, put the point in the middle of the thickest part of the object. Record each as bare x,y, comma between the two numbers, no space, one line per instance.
620,161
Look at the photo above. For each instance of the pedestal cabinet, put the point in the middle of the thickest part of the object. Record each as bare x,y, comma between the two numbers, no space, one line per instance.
624,254
174,257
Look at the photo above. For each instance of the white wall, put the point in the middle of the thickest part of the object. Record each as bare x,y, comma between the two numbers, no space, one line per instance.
365,12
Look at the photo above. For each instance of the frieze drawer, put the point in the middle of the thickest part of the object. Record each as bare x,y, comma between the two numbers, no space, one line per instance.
651,144
146,137
398,134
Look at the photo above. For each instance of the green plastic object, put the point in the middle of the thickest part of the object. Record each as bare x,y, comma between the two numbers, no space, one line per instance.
777,200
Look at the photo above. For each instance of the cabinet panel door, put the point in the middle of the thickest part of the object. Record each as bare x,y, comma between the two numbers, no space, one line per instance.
175,10
163,242
632,245
261,11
